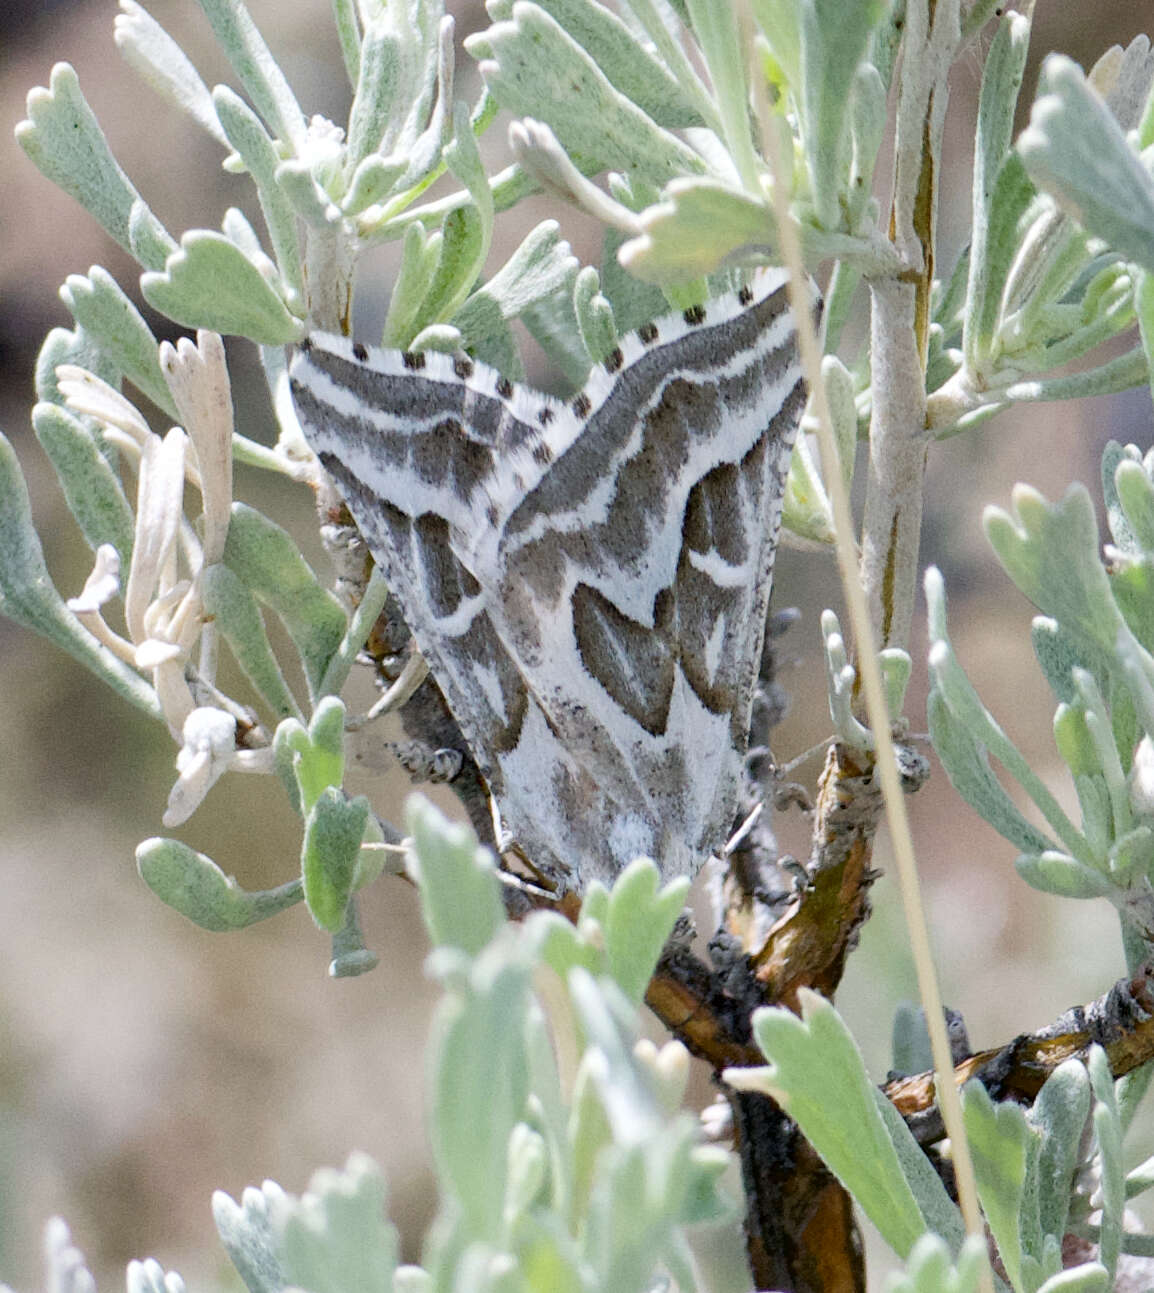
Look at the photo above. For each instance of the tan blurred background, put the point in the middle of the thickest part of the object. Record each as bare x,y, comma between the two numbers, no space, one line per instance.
144,1062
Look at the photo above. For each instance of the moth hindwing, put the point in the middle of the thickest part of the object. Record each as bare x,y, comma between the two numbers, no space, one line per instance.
588,581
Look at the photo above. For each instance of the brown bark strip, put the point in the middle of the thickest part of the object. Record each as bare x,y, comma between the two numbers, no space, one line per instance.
1121,1021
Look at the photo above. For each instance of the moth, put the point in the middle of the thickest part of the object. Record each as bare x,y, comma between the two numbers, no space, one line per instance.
588,580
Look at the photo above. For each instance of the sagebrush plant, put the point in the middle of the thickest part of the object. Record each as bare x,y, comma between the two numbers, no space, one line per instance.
700,116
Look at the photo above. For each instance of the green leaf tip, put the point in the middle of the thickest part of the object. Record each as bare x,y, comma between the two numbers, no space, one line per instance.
192,884
210,283
460,891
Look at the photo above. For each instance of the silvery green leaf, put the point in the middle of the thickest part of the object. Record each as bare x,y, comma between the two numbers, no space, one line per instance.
372,181
699,224
1001,188
467,234
160,61
1135,495
532,67
628,63
640,918
487,337
542,266
258,153
561,946
306,196
1059,652
966,763
817,1076
335,1238
634,302
806,511
148,240
834,38
356,634
334,830
192,884
66,1269
27,594
1089,1277
314,757
463,237
1111,1171
270,564
718,33
420,255
1050,551
1058,873
1139,1179
237,617
78,347
245,1230
149,1276
780,23
1130,857
552,323
1003,1145
349,34
1113,457
421,141
1060,1114
91,488
479,1031
100,307
868,118
930,1267
1074,742
594,314
1076,150
375,98
460,892
66,144
262,79
528,1171
938,1210
210,283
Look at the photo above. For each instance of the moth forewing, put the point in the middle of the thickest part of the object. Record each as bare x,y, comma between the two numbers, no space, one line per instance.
588,581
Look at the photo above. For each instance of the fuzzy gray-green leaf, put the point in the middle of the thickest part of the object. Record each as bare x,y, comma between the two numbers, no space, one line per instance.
460,895
256,150
967,766
192,884
640,918
160,61
337,1236
65,142
1060,1114
1050,551
1002,1144
816,1074
697,226
92,489
259,73
210,283
1075,149
270,564
100,306
332,846
534,68
28,596
235,612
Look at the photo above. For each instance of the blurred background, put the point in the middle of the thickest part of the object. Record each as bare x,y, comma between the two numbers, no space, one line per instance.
145,1062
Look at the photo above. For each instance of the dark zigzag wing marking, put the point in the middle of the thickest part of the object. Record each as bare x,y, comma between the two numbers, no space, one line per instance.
437,445
665,581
